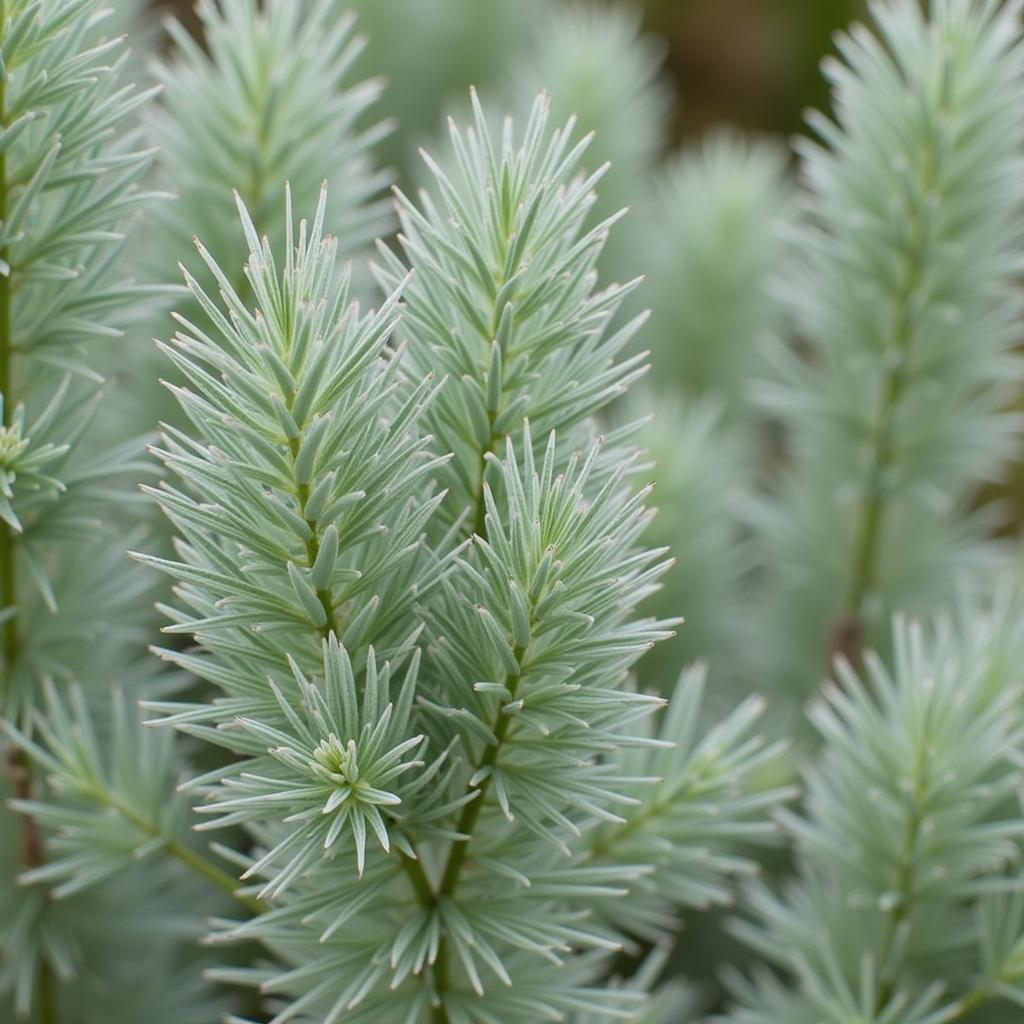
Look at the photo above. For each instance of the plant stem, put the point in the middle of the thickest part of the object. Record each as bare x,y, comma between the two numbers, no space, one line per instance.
32,856
8,578
418,879
465,826
189,857
479,505
655,809
212,873
471,811
870,521
974,1000
18,765
905,882
324,595
980,997
45,1002
896,351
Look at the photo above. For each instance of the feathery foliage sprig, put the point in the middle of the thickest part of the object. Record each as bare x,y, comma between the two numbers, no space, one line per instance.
504,299
72,611
414,568
597,65
68,192
907,902
908,302
437,811
406,40
268,100
715,222
713,228
702,463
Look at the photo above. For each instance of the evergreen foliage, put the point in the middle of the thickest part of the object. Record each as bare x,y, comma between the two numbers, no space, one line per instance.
907,904
702,460
74,613
512,746
906,293
432,51
597,65
722,207
395,758
267,101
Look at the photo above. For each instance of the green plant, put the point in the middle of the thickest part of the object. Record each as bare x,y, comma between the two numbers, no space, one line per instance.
597,65
907,904
396,759
72,608
906,294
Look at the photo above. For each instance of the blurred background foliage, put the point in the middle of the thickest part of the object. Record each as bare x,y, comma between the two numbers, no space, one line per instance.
694,102
751,63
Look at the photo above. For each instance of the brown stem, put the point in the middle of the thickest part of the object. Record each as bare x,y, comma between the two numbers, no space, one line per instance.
32,852
17,764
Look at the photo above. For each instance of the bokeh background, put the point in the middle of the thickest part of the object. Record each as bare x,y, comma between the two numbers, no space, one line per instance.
752,63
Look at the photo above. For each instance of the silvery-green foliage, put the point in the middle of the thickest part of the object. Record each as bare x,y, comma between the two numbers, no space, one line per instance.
907,300
307,490
907,901
127,17
674,1002
595,64
125,772
133,20
442,834
104,941
267,97
713,231
714,227
504,301
68,183
113,816
415,568
676,837
71,608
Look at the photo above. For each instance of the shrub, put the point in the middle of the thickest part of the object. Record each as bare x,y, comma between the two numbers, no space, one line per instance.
396,757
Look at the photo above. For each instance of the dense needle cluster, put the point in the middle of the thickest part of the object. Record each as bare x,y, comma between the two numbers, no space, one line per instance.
397,759
440,826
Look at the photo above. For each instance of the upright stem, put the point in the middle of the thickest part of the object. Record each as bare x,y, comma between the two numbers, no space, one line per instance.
896,351
974,1000
8,578
18,766
479,505
213,874
471,811
466,824
189,857
981,996
905,881
324,595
